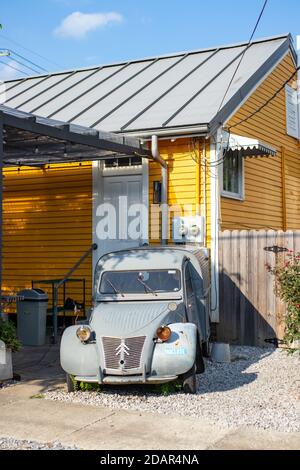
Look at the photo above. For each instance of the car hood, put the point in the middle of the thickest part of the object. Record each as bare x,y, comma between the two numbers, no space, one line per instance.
125,319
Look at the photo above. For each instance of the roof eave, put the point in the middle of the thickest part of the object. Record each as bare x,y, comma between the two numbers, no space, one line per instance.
176,131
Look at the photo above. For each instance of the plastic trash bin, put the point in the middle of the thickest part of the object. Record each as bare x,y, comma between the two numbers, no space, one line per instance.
32,316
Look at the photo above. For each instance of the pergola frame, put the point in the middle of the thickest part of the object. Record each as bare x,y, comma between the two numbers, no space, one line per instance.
29,140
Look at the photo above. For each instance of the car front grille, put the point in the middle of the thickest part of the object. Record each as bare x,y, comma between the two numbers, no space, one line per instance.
123,354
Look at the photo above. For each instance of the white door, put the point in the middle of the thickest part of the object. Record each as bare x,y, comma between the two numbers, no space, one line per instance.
124,223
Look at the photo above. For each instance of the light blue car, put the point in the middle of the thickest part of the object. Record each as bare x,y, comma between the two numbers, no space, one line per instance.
150,322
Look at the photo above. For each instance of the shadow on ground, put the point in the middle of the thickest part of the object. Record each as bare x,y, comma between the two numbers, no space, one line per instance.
39,364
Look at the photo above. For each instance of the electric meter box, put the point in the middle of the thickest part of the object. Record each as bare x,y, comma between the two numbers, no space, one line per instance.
190,229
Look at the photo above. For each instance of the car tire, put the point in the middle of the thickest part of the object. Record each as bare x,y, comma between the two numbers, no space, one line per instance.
189,382
200,366
206,349
71,383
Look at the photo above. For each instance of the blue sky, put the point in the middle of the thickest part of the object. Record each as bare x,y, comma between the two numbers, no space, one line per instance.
80,33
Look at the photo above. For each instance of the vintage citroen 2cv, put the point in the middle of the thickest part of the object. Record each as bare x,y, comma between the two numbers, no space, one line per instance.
150,321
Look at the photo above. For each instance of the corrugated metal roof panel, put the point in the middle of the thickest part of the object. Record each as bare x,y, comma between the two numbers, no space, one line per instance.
183,89
114,76
177,97
113,104
206,104
55,90
21,86
32,92
185,66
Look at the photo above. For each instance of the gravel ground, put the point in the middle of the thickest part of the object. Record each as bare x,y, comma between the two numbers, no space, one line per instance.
15,444
260,388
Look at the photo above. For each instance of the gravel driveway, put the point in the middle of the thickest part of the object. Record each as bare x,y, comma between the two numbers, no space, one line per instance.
16,444
259,388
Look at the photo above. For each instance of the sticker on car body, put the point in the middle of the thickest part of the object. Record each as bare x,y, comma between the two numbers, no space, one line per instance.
176,351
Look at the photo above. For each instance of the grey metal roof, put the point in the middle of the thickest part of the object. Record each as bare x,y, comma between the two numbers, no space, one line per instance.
162,93
33,140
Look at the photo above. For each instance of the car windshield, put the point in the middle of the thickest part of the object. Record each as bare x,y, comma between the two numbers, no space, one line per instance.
149,282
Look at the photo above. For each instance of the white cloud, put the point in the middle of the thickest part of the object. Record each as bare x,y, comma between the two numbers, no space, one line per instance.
78,24
7,72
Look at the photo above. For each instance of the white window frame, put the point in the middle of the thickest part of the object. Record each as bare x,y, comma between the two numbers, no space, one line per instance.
240,195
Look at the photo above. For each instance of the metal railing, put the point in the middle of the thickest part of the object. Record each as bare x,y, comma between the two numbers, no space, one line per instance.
61,282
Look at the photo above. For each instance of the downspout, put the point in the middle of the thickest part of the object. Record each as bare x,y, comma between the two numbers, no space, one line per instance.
1,210
164,190
298,84
215,152
283,193
204,191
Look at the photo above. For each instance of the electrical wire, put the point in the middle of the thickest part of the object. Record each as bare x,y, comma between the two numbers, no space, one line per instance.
30,50
27,60
258,110
14,68
22,64
244,52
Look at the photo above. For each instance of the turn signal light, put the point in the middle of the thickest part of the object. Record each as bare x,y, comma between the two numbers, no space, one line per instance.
83,333
163,333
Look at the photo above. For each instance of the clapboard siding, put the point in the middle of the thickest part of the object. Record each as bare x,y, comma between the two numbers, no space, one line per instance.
184,185
47,225
264,205
250,311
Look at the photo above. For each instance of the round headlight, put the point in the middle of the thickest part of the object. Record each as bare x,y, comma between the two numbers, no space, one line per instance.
83,333
163,333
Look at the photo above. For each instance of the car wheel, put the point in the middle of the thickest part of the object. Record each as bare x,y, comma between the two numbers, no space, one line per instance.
71,383
189,382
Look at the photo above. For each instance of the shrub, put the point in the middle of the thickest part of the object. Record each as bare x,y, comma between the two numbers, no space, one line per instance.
9,336
287,287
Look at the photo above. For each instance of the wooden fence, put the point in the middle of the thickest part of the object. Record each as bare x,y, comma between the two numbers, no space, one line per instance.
250,311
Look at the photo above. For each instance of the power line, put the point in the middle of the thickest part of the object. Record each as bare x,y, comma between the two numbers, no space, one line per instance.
244,52
14,68
258,110
22,63
30,50
29,61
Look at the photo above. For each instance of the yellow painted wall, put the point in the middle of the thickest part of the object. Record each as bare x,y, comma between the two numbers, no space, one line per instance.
263,206
185,160
47,225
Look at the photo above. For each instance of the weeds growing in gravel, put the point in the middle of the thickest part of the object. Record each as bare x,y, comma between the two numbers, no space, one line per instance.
170,387
89,387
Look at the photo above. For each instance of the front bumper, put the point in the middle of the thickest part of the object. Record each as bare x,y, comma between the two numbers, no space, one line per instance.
127,380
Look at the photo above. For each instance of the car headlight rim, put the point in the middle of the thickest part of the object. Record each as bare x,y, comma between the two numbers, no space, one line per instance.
83,333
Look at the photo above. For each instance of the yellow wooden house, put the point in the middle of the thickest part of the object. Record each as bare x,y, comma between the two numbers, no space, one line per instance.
232,156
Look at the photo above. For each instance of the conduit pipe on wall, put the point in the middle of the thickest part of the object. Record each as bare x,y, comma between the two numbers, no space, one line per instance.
298,84
164,190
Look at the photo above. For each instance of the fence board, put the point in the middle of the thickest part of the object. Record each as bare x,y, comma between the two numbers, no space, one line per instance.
250,311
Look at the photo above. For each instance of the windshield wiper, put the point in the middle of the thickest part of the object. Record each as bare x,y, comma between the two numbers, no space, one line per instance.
146,286
114,288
